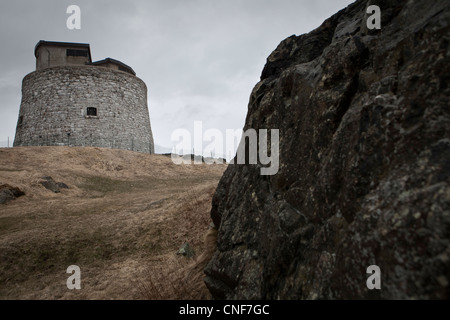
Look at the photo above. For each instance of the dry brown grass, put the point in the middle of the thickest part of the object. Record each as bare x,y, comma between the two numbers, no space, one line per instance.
182,277
122,221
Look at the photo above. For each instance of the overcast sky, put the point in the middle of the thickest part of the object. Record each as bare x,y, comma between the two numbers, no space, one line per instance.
200,59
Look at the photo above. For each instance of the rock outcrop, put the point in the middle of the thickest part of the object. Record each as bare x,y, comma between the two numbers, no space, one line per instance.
52,185
8,193
364,164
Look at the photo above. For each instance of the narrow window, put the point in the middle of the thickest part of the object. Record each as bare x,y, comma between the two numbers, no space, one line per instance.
20,120
92,111
76,53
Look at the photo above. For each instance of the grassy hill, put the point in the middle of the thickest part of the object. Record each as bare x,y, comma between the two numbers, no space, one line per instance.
122,220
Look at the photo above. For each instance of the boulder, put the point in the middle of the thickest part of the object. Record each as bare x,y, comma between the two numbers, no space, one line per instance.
8,193
364,165
52,185
186,250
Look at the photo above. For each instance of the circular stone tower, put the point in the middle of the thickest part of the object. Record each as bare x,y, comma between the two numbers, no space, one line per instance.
70,100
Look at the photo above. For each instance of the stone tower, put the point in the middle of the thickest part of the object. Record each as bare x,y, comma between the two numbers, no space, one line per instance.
70,100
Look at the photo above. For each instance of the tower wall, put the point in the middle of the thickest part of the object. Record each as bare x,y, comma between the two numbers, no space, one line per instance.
55,102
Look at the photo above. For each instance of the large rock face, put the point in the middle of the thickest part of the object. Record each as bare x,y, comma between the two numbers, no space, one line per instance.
364,121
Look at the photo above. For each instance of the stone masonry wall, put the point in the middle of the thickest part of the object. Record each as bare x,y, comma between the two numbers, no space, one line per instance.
54,109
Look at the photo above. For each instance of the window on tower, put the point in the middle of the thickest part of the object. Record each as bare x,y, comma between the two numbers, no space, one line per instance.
76,53
91,111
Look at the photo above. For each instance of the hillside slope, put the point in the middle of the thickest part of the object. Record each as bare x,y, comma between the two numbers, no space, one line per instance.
124,215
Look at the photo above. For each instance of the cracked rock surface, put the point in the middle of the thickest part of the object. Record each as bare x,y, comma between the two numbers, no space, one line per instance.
364,165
